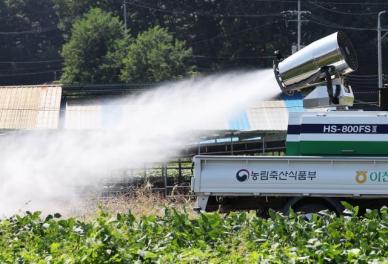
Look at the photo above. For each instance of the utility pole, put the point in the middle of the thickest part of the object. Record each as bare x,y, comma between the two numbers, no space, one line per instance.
125,13
383,92
379,57
299,21
299,26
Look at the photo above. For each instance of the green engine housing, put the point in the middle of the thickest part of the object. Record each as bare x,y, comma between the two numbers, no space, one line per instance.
337,133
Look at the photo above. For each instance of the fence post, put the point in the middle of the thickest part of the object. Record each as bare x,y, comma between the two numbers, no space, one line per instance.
145,173
263,145
231,145
164,175
62,112
180,177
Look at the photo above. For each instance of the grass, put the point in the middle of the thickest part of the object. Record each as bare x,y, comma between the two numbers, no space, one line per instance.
142,202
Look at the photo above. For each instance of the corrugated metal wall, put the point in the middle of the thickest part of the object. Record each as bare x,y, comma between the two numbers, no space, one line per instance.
93,114
30,107
269,115
83,114
38,107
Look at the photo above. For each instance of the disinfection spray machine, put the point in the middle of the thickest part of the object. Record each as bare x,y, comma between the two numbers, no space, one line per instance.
331,156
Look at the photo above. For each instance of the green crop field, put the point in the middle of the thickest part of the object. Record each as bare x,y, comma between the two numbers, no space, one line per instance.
177,237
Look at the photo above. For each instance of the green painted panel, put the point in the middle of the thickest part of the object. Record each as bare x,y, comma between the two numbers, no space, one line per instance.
340,148
292,149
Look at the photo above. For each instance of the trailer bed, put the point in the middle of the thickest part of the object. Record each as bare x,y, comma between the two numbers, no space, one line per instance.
290,176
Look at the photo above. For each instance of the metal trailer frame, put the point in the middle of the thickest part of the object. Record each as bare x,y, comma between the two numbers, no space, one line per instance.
215,178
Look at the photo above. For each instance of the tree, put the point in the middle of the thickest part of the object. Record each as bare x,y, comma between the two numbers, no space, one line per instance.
95,49
156,56
68,11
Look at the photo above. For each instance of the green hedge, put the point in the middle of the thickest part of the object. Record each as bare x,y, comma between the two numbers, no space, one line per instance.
209,238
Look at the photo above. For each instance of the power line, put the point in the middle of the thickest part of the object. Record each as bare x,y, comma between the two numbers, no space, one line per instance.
236,58
201,14
153,8
341,12
321,22
234,33
36,31
251,15
354,3
31,62
358,102
30,73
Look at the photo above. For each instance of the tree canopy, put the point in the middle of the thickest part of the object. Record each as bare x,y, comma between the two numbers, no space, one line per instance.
69,11
155,56
95,49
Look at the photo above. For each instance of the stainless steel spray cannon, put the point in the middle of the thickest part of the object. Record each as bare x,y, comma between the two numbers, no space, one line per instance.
319,69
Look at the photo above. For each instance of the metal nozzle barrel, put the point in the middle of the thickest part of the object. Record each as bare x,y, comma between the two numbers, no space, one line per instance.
303,69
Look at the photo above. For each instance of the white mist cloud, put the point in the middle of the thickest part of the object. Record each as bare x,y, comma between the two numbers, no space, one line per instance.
38,169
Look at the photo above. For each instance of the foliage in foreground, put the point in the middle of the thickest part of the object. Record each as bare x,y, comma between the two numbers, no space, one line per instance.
214,238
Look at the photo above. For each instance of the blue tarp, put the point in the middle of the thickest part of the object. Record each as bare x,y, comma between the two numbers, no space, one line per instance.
240,121
293,103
